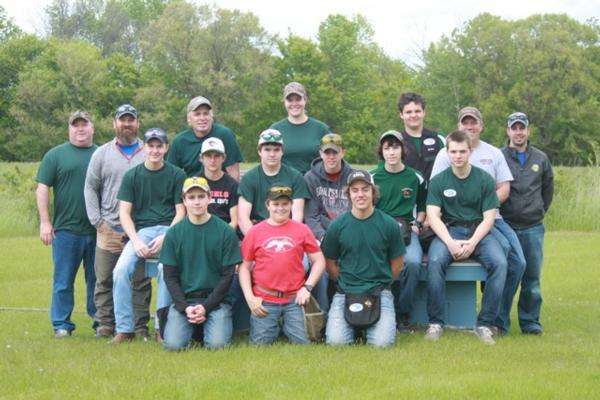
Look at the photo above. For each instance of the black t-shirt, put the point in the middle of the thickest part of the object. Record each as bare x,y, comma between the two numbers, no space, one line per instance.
224,195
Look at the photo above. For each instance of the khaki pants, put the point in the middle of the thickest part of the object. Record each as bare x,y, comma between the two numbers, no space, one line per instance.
109,244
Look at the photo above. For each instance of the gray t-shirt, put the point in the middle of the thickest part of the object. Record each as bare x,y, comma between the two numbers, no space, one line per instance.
485,156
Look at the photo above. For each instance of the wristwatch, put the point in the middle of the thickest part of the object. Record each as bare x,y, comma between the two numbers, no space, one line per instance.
308,287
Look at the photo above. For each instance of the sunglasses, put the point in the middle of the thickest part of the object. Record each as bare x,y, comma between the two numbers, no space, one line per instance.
271,135
281,191
332,138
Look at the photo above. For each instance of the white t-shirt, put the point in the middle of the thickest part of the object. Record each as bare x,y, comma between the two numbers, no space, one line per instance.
484,156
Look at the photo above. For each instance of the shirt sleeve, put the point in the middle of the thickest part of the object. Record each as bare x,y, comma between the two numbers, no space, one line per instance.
168,255
92,189
172,155
179,179
248,250
330,244
440,164
547,184
233,193
313,214
310,242
490,198
396,246
503,173
230,254
126,190
300,190
245,188
47,171
433,194
232,149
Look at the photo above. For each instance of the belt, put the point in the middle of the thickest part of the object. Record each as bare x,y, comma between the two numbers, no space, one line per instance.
275,293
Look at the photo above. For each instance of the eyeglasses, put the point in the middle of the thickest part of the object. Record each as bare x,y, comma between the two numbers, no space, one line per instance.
280,191
271,135
332,138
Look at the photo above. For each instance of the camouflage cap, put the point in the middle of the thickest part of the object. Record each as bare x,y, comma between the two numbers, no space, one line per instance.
470,112
197,102
294,88
79,114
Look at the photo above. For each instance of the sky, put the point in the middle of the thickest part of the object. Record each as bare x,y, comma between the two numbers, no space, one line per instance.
402,28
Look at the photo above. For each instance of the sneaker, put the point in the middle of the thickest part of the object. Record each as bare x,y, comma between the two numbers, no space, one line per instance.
143,334
497,331
485,334
61,333
533,331
434,332
122,337
404,325
104,332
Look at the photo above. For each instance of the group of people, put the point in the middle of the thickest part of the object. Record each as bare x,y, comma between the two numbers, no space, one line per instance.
256,246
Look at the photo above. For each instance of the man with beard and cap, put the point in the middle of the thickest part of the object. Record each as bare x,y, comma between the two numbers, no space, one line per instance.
103,180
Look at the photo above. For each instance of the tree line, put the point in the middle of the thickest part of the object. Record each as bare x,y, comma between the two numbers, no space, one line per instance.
158,54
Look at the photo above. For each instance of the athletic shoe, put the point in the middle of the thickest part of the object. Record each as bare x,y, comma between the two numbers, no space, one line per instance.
104,332
485,334
61,333
537,331
143,334
434,332
404,325
122,337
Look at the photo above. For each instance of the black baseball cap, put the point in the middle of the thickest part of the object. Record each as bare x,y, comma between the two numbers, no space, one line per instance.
125,109
359,175
156,133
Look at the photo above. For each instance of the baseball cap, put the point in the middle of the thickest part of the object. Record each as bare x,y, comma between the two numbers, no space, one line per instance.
359,175
470,112
393,133
332,141
518,117
79,114
125,109
294,88
277,191
212,144
197,102
156,133
193,182
270,136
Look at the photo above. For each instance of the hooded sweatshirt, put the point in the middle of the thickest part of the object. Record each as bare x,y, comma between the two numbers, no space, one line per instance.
327,198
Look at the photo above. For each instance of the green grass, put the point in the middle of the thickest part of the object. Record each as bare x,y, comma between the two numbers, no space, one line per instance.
563,363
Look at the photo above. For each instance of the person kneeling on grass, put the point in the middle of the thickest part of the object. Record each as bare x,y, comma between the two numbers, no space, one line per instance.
199,256
364,252
276,286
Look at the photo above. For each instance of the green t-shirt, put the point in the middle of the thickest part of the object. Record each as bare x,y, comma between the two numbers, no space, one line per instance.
363,249
416,142
255,184
63,168
200,252
463,200
185,149
153,194
400,192
301,142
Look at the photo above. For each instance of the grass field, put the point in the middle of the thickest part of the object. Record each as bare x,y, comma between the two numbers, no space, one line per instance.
563,363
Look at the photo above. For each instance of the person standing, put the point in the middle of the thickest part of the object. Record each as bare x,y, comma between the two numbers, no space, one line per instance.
422,145
102,182
186,147
301,134
70,233
531,194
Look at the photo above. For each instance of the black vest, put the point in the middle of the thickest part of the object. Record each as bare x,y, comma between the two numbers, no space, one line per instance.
431,144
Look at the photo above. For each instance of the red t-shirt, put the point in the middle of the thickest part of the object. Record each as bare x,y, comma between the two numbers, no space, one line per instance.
277,252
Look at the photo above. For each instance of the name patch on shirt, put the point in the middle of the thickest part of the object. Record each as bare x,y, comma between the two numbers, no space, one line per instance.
429,142
449,192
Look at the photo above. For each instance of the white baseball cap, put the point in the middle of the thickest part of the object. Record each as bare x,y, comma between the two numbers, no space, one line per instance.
212,144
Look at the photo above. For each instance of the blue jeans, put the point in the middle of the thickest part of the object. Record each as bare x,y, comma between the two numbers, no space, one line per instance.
320,289
516,267
408,280
68,251
122,275
217,329
493,258
530,298
240,313
265,330
382,334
